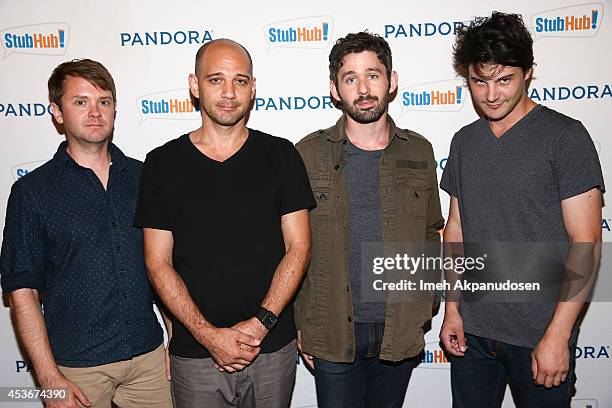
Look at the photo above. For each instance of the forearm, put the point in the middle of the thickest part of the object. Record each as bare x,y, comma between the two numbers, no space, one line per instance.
564,319
30,326
287,278
452,247
173,292
582,262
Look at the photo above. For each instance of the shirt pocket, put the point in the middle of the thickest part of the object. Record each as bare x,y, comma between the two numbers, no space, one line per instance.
320,183
413,191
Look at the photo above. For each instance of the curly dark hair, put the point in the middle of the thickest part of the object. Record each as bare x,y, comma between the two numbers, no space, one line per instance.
501,39
356,43
90,70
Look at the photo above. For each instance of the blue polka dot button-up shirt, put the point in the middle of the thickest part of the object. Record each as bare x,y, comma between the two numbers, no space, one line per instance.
75,242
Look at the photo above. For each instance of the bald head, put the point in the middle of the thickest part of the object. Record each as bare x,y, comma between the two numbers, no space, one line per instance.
221,44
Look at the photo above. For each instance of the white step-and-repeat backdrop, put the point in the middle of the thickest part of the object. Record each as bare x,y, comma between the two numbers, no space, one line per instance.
149,47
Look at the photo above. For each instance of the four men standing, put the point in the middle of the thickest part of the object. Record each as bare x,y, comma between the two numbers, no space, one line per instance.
227,239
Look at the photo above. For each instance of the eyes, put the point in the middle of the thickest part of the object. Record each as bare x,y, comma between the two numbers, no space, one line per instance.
503,81
220,80
105,102
352,79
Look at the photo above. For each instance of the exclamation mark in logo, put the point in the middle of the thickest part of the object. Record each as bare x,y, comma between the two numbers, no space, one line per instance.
61,38
594,19
459,89
325,31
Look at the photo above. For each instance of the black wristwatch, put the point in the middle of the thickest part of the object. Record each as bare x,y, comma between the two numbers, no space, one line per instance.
266,317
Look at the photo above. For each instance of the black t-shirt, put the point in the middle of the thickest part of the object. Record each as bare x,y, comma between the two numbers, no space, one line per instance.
225,219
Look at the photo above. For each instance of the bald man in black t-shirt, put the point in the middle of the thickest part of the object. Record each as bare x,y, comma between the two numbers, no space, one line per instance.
225,214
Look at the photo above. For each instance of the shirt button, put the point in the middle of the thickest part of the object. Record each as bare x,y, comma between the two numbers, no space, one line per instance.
323,196
348,289
337,166
350,319
118,248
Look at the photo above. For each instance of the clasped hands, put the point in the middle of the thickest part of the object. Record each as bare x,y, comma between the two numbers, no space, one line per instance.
234,348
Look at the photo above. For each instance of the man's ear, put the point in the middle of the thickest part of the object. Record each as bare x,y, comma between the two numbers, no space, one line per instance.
334,91
393,82
57,113
194,87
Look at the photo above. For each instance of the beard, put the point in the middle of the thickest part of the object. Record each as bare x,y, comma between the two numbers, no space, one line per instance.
370,115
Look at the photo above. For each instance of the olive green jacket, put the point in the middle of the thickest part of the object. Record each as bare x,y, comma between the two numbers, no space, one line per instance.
410,210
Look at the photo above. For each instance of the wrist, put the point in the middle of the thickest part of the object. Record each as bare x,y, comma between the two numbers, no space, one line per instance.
266,318
555,333
259,324
208,335
451,309
48,377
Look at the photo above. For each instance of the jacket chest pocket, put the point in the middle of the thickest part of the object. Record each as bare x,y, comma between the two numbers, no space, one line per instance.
320,184
413,191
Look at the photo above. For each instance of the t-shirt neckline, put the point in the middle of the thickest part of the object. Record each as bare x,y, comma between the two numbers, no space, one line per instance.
508,133
192,147
358,150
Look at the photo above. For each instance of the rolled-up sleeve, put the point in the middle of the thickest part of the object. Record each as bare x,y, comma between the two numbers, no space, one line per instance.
22,255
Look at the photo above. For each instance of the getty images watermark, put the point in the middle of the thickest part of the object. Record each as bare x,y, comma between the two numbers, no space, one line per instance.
459,265
489,272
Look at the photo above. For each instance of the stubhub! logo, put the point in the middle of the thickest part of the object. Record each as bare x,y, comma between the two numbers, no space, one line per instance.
306,32
583,20
171,104
20,170
40,39
433,357
439,96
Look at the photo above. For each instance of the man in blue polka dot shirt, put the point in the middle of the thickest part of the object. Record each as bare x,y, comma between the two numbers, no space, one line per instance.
69,242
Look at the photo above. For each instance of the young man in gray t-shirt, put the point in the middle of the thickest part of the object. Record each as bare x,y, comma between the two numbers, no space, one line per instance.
525,175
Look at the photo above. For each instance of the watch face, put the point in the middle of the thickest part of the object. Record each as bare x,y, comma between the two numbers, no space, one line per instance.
267,318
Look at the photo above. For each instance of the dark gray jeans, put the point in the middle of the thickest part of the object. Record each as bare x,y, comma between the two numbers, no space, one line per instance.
267,383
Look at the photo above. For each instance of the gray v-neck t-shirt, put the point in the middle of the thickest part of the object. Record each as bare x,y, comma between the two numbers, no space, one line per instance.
510,189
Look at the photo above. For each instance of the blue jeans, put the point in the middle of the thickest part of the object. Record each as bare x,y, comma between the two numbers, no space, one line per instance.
368,381
479,378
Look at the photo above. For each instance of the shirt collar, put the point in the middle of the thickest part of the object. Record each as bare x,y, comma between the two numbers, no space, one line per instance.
118,159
